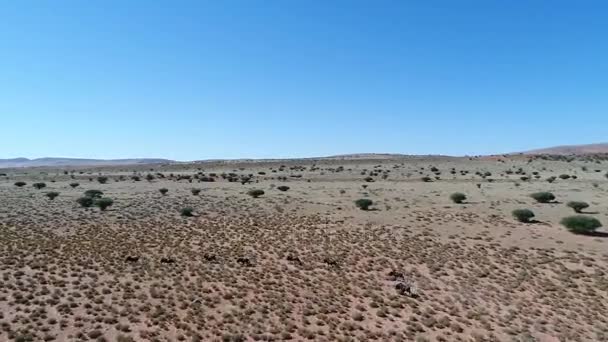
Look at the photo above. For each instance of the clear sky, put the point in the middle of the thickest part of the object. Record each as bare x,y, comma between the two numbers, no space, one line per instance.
228,79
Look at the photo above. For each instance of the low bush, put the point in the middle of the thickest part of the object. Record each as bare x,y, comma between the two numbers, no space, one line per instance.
74,185
93,193
51,195
102,179
186,211
577,206
543,197
283,188
163,191
458,197
363,203
85,201
20,184
195,192
103,203
255,193
39,185
581,224
523,215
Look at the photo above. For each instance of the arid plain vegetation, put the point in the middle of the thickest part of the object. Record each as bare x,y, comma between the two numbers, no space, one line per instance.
354,249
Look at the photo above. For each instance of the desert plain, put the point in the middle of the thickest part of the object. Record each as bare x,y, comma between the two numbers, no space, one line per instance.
301,261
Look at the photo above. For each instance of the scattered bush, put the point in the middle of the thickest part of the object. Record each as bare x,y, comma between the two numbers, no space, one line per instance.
149,177
186,211
551,179
51,195
20,184
74,185
581,224
458,197
255,193
363,203
427,179
85,201
195,192
103,203
283,188
39,185
577,206
102,179
564,177
93,193
543,197
523,215
163,191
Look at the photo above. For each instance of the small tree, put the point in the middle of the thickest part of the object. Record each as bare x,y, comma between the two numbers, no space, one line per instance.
577,206
363,203
523,215
39,185
255,193
543,197
85,201
283,188
102,179
581,224
20,184
104,203
458,197
187,212
74,185
195,192
163,191
51,195
93,193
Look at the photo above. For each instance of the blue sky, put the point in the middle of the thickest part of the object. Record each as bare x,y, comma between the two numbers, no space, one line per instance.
228,79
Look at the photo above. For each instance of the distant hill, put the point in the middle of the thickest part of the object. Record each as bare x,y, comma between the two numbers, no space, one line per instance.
572,149
58,162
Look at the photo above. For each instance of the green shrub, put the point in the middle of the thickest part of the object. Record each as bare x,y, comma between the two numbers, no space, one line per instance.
283,188
255,193
39,185
163,191
577,206
186,211
85,201
102,179
136,178
523,215
363,203
458,197
195,192
93,193
51,195
74,185
103,203
543,197
551,179
20,184
581,224
149,177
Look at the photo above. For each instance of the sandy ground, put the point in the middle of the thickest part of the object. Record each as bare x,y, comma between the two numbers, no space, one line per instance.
306,263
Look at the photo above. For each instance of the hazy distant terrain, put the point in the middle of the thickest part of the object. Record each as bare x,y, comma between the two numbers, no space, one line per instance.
572,149
187,253
24,162
77,162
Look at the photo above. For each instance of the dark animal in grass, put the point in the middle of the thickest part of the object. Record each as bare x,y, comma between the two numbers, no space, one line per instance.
132,258
244,261
209,257
294,258
167,260
331,262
